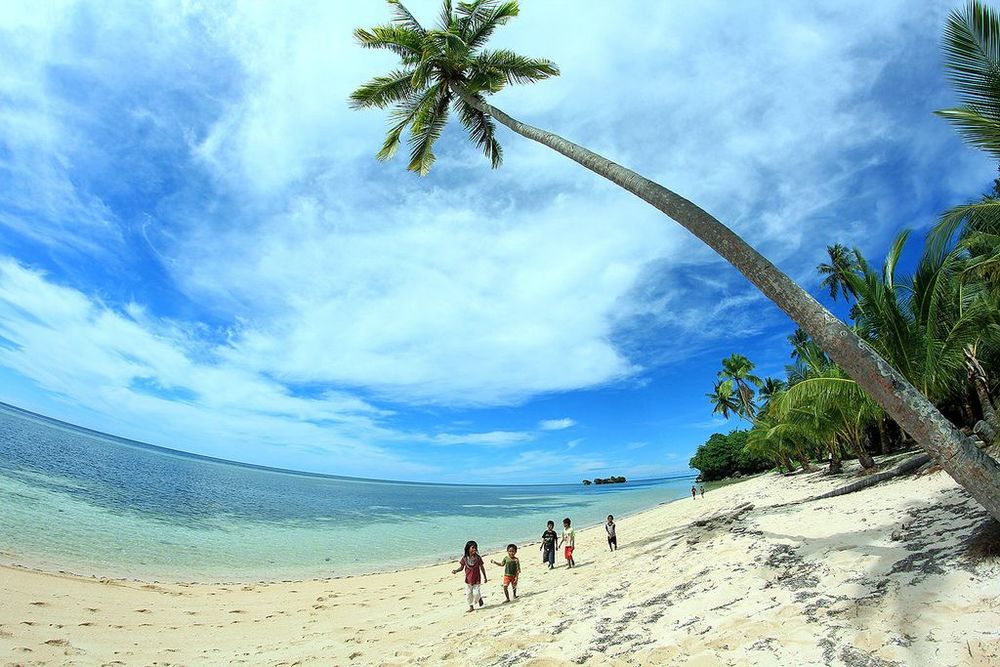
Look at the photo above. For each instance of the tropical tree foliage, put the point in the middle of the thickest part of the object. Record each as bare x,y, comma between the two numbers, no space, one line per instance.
725,455
448,68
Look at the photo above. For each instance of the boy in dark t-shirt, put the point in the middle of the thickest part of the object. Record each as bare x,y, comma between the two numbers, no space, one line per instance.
548,545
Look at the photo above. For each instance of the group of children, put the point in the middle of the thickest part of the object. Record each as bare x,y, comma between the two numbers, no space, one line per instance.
474,567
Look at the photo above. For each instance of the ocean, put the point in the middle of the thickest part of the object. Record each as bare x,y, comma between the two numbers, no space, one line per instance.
93,504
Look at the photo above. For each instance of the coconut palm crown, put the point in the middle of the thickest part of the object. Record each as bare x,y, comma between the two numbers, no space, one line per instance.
444,69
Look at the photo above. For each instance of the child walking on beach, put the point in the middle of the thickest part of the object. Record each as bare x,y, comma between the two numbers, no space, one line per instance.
569,540
610,528
474,566
511,570
548,545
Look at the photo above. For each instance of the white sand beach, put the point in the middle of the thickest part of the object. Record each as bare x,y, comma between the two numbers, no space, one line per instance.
822,582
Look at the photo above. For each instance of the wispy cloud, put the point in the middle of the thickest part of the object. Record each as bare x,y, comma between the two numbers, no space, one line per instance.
493,438
556,424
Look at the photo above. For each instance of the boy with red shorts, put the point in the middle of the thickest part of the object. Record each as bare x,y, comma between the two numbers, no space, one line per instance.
569,540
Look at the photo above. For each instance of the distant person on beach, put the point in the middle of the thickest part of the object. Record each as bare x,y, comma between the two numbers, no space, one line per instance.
548,545
610,528
474,566
511,569
694,493
702,489
569,541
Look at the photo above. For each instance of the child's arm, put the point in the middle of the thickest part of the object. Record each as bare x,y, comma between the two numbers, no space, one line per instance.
459,569
482,567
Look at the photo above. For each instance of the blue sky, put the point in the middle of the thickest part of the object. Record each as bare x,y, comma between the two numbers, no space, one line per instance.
199,250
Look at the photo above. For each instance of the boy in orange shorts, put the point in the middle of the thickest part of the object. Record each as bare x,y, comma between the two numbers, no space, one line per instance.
511,570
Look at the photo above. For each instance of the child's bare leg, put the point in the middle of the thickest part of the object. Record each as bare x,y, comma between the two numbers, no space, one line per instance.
506,594
513,588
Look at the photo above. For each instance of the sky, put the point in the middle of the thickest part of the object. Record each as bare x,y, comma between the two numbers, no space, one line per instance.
199,250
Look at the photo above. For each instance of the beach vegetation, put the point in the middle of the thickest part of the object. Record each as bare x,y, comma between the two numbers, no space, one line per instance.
725,455
448,68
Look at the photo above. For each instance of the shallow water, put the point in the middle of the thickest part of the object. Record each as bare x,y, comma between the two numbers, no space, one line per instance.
80,501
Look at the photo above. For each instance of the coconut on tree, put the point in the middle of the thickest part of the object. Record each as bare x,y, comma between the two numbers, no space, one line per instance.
448,68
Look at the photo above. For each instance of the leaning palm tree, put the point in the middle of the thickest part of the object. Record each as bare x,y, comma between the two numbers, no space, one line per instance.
448,68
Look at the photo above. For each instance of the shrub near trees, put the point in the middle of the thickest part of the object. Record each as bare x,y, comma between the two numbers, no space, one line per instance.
725,455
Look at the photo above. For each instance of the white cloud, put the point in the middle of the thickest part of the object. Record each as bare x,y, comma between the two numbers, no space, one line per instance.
556,424
493,438
155,381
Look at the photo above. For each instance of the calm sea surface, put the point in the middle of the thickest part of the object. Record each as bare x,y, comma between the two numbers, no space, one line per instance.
93,504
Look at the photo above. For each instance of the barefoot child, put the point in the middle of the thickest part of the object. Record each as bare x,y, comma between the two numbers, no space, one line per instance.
474,566
612,537
511,569
569,540
548,545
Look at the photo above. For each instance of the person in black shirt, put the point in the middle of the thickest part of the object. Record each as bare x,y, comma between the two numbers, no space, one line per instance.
548,546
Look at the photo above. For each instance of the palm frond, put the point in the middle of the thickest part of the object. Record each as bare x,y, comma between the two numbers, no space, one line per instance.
481,130
383,91
446,16
480,27
980,129
514,68
428,123
403,17
972,54
403,114
406,44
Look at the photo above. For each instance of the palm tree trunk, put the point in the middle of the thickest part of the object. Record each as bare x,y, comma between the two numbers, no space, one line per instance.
971,468
885,446
864,458
836,465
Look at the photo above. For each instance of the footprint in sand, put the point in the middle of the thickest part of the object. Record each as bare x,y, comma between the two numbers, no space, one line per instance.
86,624
28,623
142,611
93,609
23,649
237,611
39,604
57,642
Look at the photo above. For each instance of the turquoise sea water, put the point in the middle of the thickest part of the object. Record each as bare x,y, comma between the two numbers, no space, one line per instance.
76,500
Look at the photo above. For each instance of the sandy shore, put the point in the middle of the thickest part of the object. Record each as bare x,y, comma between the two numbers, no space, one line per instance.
822,582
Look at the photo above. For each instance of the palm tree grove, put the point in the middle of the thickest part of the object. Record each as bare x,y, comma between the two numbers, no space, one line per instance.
912,366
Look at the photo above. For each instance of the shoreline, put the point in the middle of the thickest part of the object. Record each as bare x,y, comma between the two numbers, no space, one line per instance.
801,583
46,565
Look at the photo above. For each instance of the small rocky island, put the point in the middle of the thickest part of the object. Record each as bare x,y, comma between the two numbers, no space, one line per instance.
605,480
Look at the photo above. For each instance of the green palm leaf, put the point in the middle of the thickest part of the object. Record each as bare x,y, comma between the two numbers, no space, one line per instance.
383,91
427,125
972,55
481,131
